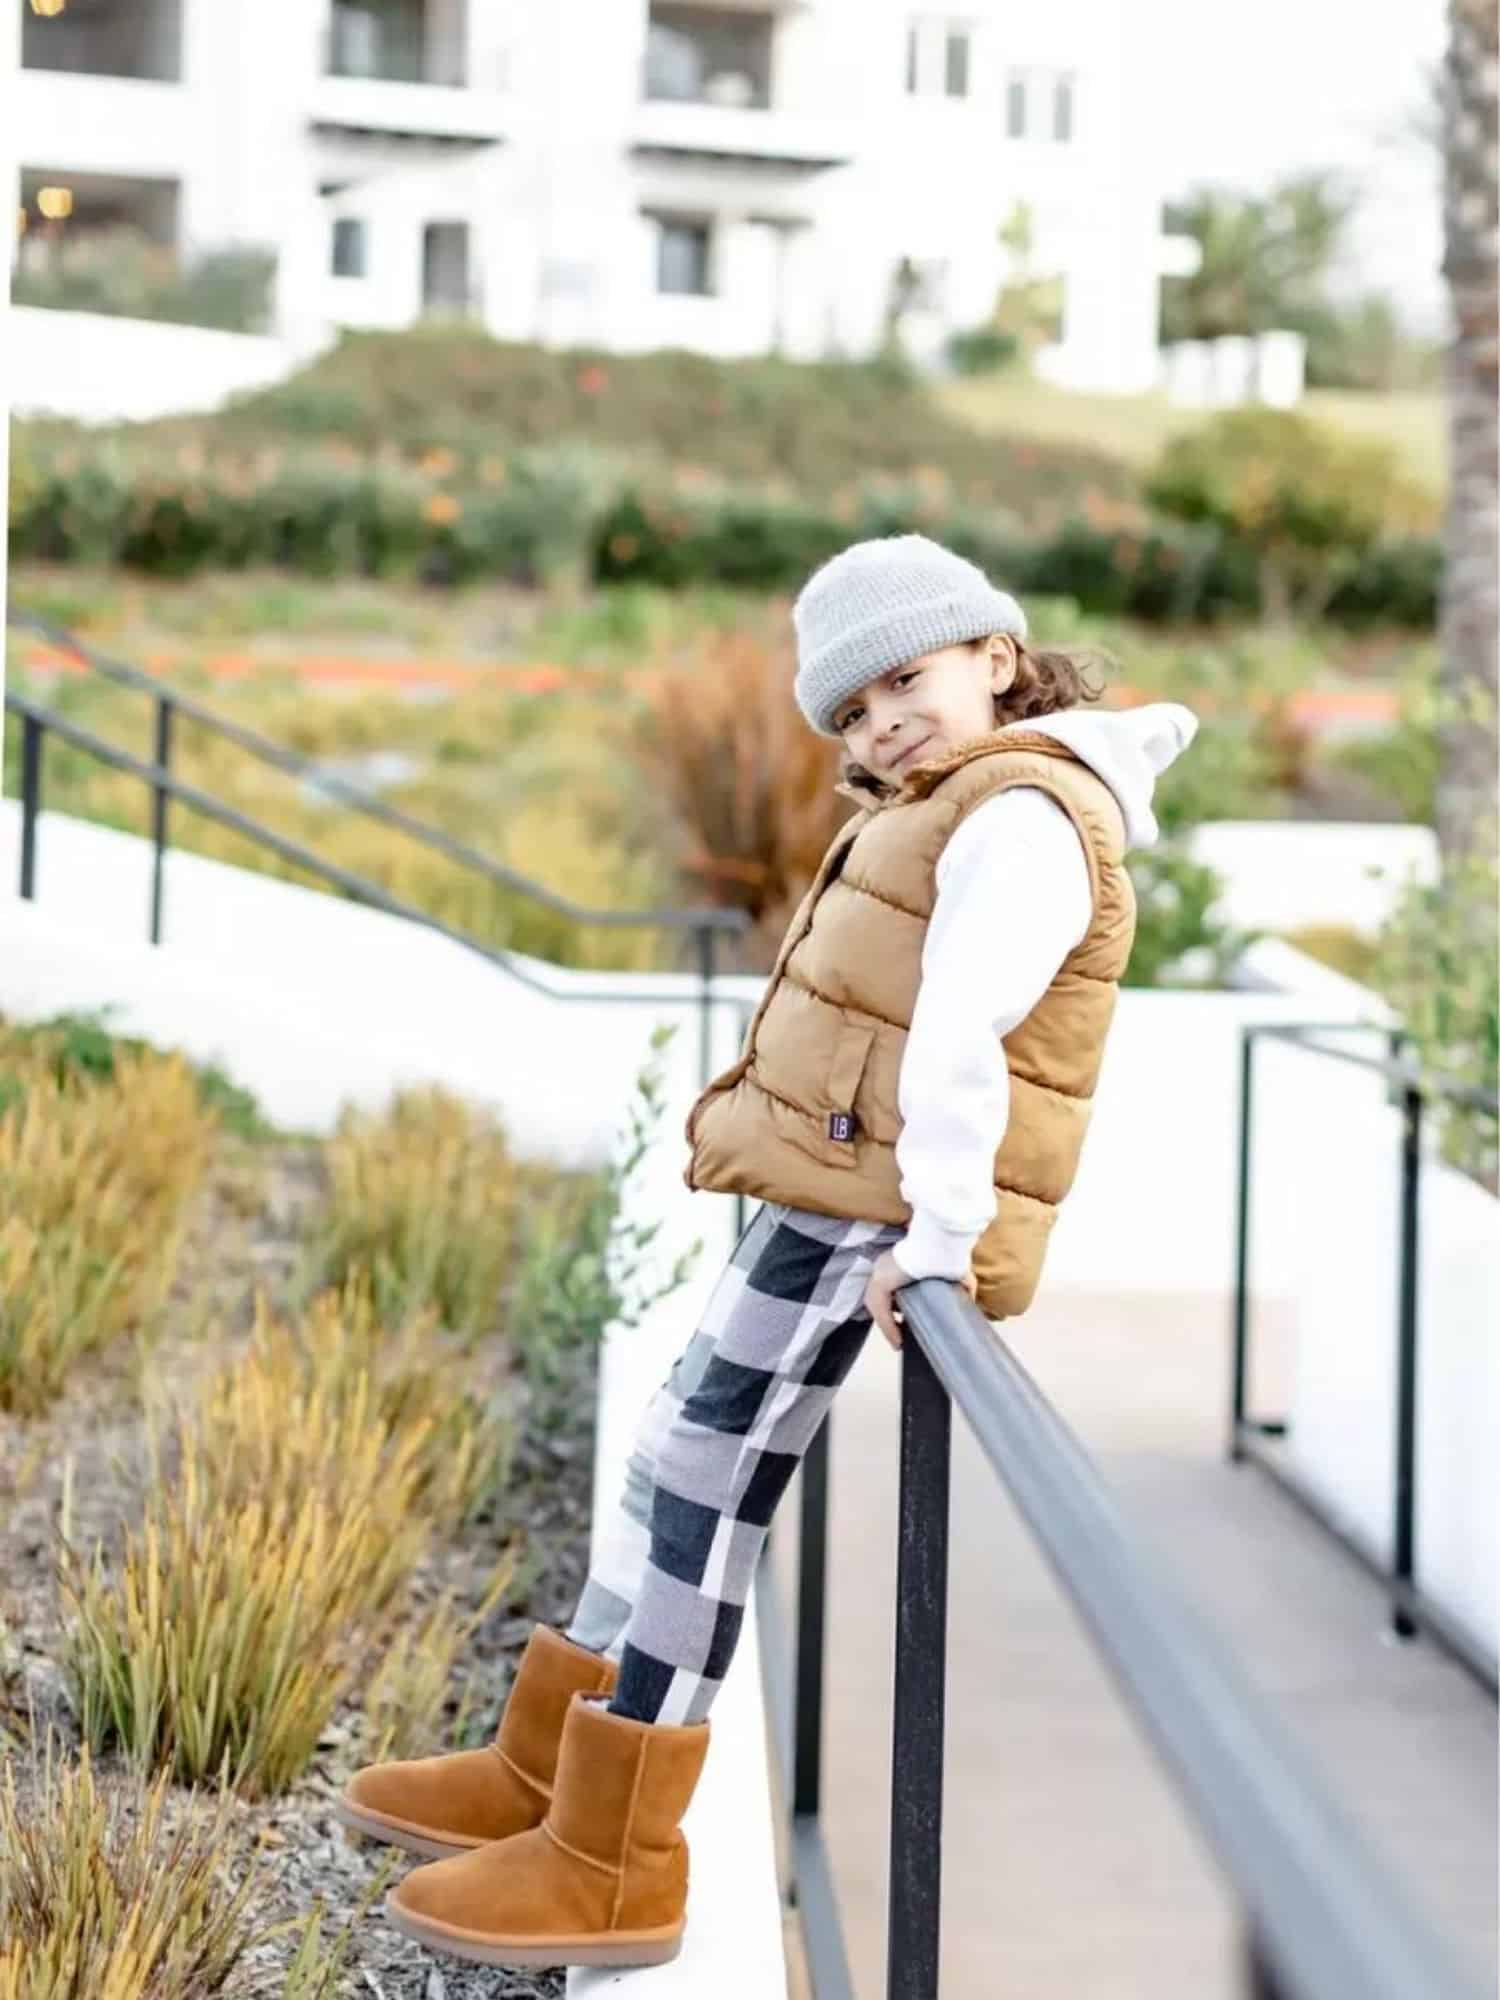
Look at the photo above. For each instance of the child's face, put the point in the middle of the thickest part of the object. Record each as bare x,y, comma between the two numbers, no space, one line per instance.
916,712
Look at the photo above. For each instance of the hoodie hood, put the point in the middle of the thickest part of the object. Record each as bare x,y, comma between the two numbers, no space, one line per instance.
1128,748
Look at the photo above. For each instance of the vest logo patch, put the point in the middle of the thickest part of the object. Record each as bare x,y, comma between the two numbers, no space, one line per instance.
842,1125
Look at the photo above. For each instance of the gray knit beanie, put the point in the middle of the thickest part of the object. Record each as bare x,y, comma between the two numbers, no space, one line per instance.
879,603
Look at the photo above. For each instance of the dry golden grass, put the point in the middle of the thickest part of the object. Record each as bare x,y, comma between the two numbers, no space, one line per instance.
118,1892
404,1698
289,1505
96,1175
422,1198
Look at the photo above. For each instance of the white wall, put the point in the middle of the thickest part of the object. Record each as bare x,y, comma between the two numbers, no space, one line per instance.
100,368
312,1001
1284,874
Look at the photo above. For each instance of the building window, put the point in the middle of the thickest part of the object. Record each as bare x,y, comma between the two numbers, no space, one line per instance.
956,68
938,57
1029,93
142,39
707,55
1062,108
682,257
350,246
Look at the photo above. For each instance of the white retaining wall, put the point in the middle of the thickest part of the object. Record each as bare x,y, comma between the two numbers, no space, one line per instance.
1283,874
104,368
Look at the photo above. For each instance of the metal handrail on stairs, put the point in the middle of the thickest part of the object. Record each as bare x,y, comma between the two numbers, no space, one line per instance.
38,721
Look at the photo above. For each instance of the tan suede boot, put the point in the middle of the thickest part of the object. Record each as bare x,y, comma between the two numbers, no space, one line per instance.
602,1881
447,1805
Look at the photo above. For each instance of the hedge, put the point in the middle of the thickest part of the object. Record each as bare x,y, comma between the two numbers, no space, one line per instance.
567,508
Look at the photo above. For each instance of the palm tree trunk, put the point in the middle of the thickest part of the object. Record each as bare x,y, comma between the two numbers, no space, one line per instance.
1470,614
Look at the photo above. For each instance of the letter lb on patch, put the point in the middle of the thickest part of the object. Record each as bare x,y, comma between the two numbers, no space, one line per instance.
842,1125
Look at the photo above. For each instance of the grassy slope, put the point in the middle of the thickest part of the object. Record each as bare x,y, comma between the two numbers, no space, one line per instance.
811,428
1134,428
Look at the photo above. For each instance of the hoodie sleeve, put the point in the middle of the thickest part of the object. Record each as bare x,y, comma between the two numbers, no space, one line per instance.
1013,900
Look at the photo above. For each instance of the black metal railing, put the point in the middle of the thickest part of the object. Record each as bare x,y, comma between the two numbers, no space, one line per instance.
1249,1435
1323,1920
39,721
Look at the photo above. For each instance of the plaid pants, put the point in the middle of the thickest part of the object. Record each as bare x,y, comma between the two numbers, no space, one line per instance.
718,1444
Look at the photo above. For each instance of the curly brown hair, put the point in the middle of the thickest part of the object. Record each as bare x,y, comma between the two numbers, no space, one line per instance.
1047,679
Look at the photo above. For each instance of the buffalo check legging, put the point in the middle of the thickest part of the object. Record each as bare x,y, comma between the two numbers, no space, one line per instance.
719,1441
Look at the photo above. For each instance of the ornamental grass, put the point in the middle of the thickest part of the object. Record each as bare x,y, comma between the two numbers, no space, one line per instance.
289,1504
98,1167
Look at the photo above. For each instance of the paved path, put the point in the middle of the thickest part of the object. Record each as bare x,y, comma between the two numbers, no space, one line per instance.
1070,1871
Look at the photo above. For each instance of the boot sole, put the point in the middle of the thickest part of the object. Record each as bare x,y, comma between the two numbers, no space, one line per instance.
372,1825
615,1948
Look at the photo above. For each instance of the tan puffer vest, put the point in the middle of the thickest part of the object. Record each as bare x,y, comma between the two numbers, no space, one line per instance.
828,1035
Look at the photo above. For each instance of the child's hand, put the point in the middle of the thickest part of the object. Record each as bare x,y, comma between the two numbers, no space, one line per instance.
886,1280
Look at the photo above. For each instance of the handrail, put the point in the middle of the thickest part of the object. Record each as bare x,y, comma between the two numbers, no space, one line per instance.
1326,1918
38,721
1472,1095
1323,1917
1411,1611
293,764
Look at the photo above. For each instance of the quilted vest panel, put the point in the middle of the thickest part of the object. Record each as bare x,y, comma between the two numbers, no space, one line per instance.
828,1036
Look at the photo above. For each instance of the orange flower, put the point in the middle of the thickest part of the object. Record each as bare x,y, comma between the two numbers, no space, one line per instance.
593,380
438,462
441,509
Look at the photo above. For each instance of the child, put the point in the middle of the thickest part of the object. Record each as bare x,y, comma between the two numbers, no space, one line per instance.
945,986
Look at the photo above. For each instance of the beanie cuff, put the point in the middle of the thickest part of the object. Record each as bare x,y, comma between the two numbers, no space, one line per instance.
862,653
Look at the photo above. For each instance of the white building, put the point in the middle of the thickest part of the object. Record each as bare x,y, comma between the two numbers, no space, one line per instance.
731,176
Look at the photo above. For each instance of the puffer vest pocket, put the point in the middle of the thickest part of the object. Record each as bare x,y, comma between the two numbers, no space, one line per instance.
841,1122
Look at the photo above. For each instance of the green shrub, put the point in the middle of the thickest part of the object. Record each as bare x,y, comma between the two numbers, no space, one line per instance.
1308,504
122,271
982,350
577,511
1438,964
1395,582
580,1268
1180,940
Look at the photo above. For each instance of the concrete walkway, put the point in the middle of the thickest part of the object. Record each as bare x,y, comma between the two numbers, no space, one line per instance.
1070,1872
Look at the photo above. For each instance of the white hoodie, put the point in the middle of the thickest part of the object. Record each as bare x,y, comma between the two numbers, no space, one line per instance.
1013,899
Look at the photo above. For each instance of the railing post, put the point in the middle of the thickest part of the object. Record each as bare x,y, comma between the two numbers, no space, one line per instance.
164,713
31,800
1403,1567
705,936
1241,1364
916,1873
812,1570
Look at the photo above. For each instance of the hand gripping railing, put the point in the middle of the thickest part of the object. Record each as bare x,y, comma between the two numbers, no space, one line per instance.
1323,1918
39,721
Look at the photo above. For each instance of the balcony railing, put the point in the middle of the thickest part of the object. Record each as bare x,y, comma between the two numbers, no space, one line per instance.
1323,1919
1249,1435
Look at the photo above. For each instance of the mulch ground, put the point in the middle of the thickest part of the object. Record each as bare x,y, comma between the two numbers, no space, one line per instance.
245,1232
